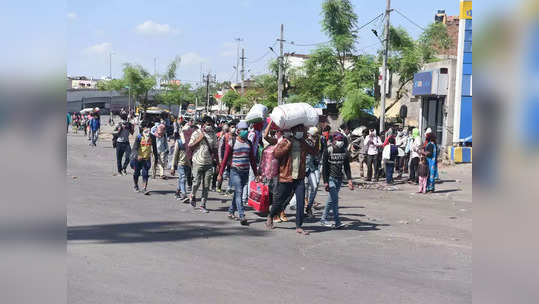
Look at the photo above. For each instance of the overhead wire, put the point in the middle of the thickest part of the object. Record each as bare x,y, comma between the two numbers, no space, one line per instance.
409,20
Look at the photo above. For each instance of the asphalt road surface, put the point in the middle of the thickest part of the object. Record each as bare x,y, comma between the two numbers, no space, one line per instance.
126,247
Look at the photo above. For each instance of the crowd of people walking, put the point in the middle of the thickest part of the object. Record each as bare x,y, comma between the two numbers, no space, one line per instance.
291,163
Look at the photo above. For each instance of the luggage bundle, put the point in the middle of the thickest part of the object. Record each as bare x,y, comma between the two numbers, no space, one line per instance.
292,114
257,113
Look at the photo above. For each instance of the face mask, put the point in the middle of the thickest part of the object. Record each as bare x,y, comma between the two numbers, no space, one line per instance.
233,130
298,135
339,144
146,133
243,134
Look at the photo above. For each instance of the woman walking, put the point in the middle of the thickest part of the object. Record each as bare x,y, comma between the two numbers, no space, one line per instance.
431,151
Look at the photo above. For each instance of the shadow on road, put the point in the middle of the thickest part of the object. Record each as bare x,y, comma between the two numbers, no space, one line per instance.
447,190
155,232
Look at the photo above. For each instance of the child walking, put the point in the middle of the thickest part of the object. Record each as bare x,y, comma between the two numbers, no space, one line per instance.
423,173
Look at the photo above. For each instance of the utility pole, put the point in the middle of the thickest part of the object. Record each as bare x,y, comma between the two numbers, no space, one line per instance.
238,59
280,61
384,69
207,78
242,69
110,79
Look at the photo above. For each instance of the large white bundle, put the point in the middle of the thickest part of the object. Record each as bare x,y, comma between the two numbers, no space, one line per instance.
292,114
257,113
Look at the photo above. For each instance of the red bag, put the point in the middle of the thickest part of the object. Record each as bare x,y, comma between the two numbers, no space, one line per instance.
259,197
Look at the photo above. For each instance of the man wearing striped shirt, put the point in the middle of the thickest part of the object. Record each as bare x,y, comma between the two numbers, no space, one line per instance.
239,156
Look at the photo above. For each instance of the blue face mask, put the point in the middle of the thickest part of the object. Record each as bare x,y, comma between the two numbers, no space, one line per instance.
243,134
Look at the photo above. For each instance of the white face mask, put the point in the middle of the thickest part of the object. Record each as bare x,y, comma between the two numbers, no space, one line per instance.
339,144
233,130
299,135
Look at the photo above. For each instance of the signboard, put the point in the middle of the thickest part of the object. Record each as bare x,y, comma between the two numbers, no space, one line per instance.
466,10
422,83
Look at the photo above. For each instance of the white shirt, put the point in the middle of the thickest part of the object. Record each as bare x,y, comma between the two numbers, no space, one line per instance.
373,143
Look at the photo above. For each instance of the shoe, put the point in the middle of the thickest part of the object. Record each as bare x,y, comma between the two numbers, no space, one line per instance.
192,202
203,209
136,189
243,221
277,219
339,226
231,217
318,206
124,173
218,190
326,224
177,194
283,217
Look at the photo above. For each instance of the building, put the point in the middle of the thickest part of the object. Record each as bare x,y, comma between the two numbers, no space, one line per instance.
81,82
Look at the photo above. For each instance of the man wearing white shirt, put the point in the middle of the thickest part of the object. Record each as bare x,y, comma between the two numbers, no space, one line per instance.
372,142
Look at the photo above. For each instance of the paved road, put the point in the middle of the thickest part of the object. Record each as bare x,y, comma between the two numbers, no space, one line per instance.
399,247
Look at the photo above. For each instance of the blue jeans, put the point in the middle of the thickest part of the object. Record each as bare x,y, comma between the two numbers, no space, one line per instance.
181,179
238,179
333,200
283,195
389,171
143,165
313,180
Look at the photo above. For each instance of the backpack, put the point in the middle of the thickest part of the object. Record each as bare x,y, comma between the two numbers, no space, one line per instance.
269,165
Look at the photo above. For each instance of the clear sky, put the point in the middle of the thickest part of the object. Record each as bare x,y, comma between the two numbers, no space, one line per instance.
202,32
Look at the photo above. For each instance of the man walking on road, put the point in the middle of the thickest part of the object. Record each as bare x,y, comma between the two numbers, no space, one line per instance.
122,132
181,163
95,125
291,152
204,146
335,158
143,147
240,156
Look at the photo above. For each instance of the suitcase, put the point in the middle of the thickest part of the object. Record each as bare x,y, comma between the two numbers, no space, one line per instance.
259,197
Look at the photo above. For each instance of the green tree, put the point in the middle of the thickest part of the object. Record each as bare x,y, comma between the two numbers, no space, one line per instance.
356,101
229,99
339,22
136,81
407,56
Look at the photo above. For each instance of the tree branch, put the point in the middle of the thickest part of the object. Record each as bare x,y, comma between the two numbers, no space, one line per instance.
399,94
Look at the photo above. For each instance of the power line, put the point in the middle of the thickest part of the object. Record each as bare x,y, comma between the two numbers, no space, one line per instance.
263,56
410,20
372,20
320,43
307,44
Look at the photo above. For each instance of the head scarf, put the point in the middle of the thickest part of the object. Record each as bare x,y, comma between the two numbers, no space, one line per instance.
415,133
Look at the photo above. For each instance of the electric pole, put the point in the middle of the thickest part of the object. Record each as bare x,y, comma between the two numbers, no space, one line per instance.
238,59
384,69
242,70
280,61
110,79
207,78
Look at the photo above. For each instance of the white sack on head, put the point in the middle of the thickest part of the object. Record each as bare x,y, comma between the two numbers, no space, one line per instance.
292,114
